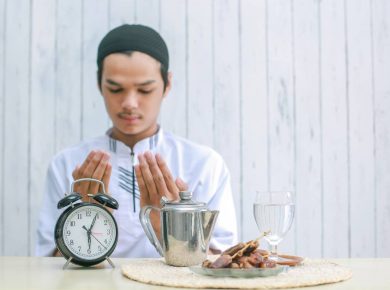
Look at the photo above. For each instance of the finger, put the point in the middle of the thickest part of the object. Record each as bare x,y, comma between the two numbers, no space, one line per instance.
107,176
75,175
157,175
87,160
99,173
148,179
75,172
169,181
181,185
89,170
143,190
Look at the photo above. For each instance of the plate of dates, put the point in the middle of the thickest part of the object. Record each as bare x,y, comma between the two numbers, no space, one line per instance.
243,260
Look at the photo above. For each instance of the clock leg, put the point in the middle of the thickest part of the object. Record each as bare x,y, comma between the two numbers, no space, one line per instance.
110,262
67,263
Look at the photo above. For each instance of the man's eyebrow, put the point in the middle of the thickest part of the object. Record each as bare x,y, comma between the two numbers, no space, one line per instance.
111,82
145,83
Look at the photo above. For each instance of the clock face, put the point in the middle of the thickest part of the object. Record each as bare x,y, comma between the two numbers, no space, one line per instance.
89,232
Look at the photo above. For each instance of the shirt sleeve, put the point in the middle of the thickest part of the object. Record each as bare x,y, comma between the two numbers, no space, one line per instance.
225,231
54,190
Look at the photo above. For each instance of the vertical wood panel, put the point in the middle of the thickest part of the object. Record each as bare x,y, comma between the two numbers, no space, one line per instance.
173,30
226,92
254,110
16,132
200,72
281,104
308,130
334,130
42,105
68,81
95,25
251,77
381,65
148,13
361,135
2,120
121,11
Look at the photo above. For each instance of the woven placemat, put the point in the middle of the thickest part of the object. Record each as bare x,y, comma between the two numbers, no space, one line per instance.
312,272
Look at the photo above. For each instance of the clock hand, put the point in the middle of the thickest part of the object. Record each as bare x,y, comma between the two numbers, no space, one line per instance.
98,240
85,228
89,237
89,242
93,222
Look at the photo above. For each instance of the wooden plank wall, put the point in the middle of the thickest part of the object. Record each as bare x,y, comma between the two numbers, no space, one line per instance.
294,95
2,122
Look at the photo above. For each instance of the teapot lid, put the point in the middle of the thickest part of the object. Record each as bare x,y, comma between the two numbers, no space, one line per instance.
185,202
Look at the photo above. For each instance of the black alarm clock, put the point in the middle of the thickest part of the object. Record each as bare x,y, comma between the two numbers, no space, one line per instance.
86,233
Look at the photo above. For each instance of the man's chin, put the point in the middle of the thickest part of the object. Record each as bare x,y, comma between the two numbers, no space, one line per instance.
127,130
131,131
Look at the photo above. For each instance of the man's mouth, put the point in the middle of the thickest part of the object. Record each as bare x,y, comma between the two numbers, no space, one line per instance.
129,117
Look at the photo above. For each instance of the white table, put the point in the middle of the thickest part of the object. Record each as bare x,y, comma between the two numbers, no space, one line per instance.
27,273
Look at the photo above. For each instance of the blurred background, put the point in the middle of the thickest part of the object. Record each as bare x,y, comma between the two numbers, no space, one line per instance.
295,94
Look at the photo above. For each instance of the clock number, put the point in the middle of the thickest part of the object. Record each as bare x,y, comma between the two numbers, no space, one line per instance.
79,216
68,233
88,212
79,248
99,248
108,231
89,251
72,223
105,222
71,242
105,241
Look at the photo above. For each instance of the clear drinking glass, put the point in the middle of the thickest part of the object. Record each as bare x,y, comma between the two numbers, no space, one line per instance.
274,213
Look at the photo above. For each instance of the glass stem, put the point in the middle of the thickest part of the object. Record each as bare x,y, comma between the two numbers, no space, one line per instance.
274,251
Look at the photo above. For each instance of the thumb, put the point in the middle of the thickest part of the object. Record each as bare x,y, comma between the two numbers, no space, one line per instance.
181,185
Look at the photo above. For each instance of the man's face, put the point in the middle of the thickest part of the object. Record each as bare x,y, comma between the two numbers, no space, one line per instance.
133,89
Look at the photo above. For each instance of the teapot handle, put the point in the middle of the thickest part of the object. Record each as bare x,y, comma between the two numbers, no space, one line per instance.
144,217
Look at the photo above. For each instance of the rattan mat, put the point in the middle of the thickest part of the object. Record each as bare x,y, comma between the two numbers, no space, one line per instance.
312,272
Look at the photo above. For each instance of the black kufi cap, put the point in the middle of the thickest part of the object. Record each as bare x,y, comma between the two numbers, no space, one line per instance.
134,37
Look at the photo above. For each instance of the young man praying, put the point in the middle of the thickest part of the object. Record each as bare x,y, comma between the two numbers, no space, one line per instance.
136,159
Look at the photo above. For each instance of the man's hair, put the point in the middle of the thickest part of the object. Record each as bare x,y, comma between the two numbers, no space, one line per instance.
163,71
135,37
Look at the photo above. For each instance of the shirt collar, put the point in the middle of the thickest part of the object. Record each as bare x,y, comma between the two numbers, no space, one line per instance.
147,144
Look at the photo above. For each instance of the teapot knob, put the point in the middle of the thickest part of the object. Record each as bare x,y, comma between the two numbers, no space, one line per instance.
164,200
185,195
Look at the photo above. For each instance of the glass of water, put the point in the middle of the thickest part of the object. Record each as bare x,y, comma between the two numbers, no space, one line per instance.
274,213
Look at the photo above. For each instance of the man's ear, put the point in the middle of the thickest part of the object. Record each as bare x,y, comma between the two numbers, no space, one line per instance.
169,84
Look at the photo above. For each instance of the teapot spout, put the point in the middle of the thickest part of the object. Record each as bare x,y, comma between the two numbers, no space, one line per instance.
209,219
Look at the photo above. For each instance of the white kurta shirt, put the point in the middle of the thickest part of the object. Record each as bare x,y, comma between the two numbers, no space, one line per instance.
200,167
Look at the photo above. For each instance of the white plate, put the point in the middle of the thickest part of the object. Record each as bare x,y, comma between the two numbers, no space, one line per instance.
239,273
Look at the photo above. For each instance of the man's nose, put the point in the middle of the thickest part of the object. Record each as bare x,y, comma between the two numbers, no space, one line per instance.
130,101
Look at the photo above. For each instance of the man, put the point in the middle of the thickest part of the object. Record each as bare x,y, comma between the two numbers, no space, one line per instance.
136,159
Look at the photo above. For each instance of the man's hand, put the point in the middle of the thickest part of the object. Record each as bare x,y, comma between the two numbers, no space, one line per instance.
97,166
155,181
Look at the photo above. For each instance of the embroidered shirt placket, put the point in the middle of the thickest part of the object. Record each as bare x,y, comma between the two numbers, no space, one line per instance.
133,181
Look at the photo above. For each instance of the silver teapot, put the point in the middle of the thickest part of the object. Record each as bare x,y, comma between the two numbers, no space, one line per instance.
186,228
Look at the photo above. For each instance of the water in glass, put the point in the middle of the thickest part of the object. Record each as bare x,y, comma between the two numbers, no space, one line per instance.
276,218
274,213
